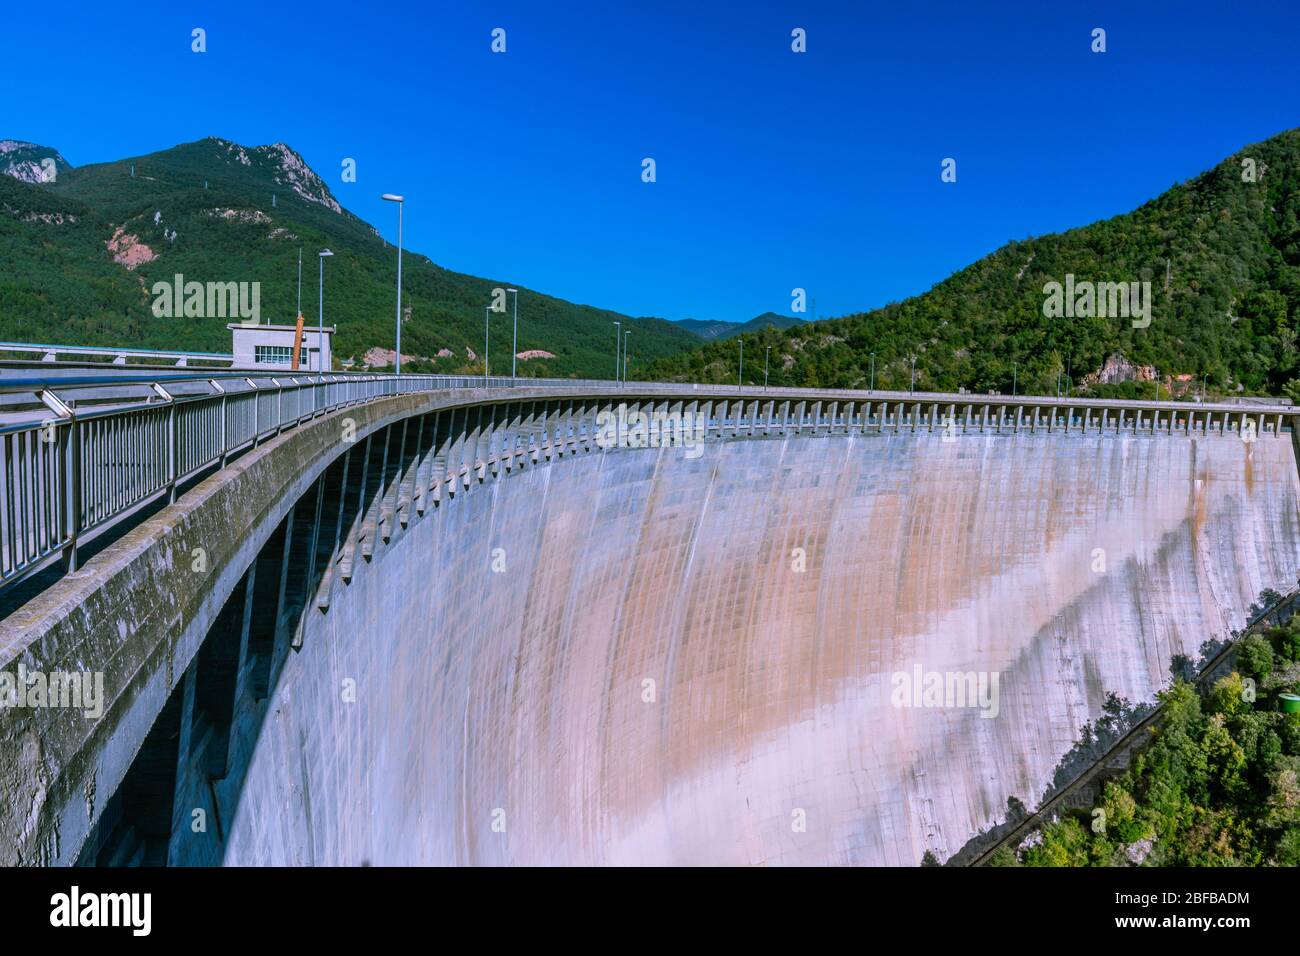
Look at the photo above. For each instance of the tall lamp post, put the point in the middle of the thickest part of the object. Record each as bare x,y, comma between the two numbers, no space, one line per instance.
487,311
514,342
740,374
618,355
912,389
320,319
872,386
626,333
767,352
400,200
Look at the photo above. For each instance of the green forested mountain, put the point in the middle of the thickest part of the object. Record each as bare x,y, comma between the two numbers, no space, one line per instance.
1222,253
79,257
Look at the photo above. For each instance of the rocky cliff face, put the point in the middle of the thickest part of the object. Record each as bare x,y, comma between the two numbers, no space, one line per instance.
286,167
29,162
1117,368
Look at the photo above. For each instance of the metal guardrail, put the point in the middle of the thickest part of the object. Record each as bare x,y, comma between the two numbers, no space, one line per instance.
50,353
71,469
70,475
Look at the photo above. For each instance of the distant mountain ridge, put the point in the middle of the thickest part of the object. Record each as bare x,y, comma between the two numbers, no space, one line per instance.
726,330
81,252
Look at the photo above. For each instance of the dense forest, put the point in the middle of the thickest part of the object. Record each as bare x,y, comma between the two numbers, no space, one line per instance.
1222,254
216,211
1219,785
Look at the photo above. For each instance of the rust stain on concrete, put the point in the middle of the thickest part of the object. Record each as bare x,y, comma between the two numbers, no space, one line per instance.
655,681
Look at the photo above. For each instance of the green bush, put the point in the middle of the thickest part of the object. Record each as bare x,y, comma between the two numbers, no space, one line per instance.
1286,641
1288,848
1218,785
1255,656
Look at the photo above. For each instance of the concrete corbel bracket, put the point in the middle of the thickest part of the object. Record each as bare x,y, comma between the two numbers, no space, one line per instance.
138,611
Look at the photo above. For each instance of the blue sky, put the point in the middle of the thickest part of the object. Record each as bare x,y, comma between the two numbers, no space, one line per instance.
775,170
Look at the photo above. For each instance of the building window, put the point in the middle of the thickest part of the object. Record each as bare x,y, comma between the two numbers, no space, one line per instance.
272,354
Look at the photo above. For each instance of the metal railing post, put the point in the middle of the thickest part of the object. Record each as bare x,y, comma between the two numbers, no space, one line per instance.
71,477
225,441
171,441
256,402
74,494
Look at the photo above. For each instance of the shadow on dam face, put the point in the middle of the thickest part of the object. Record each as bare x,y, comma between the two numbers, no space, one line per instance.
640,657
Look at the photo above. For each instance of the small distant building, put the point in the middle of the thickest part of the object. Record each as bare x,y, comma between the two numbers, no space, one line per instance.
271,347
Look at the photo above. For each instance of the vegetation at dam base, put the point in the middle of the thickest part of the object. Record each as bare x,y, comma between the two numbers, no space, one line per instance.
1219,784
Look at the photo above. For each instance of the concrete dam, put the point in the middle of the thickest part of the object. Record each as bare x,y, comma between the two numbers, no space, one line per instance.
478,635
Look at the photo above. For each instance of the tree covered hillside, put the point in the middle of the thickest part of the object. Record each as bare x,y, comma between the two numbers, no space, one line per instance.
1222,255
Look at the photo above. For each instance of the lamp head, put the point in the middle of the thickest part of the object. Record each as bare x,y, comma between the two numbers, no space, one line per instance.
393,197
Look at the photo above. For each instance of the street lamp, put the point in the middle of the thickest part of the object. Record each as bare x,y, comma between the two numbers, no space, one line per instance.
872,387
400,200
766,353
1014,370
741,373
913,387
320,319
514,342
626,333
618,344
487,310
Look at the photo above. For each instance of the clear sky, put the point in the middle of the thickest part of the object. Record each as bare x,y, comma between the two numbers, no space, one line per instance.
819,170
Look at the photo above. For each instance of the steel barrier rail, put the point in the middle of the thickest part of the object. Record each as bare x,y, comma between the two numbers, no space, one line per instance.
76,472
1254,407
79,471
50,353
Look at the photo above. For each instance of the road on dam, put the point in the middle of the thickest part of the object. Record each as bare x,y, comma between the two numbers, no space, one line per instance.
840,644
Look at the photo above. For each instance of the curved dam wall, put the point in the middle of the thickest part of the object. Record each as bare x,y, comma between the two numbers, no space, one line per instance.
640,657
